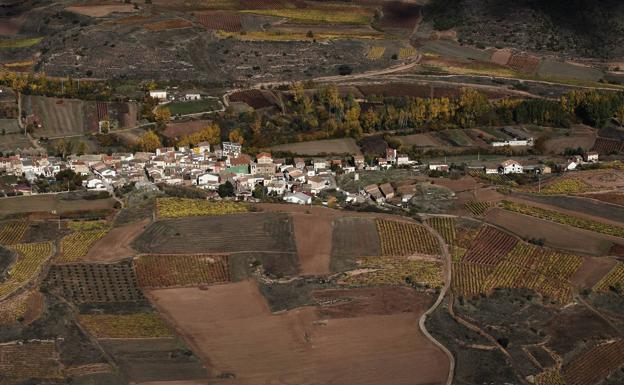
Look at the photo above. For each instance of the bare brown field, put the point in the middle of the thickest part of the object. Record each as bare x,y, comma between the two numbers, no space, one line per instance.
256,99
315,147
101,10
352,238
11,26
555,235
613,198
579,137
168,24
221,20
229,324
184,128
48,203
421,140
313,236
115,245
592,270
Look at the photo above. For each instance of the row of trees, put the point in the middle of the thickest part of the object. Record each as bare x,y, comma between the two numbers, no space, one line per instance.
58,87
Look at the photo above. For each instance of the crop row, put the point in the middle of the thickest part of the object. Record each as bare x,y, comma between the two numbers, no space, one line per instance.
550,377
612,281
182,207
555,216
468,279
87,225
77,245
489,247
404,53
181,270
547,262
477,208
138,325
567,186
31,257
445,226
399,238
397,271
14,309
595,364
375,52
493,178
13,232
19,362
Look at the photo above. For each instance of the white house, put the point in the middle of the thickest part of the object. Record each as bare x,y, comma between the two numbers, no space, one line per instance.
298,198
192,96
264,158
511,166
514,143
439,167
208,180
591,157
402,160
231,149
159,95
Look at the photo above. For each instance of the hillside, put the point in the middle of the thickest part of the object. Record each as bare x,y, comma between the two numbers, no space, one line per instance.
584,28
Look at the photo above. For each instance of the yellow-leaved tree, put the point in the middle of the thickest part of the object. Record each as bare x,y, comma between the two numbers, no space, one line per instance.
149,141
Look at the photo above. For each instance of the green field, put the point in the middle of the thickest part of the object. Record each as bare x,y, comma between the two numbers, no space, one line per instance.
193,106
20,43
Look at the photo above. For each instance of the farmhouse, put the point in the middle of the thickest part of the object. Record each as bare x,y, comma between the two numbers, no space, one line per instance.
591,157
439,167
298,198
159,95
264,158
387,190
510,166
514,143
208,180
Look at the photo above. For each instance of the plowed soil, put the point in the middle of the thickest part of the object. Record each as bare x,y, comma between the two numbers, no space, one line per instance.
115,245
313,236
231,327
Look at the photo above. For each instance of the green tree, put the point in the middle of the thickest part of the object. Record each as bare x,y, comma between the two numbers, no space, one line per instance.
226,189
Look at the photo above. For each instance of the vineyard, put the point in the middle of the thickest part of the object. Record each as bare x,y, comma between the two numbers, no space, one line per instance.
566,186
445,226
87,225
95,283
613,280
182,207
30,260
595,365
564,219
550,377
375,53
607,146
498,179
524,63
15,309
221,20
489,247
76,245
405,53
181,270
478,208
468,279
13,232
30,360
397,271
168,24
399,238
139,325
497,260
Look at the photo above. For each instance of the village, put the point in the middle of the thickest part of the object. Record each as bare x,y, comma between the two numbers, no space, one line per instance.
295,180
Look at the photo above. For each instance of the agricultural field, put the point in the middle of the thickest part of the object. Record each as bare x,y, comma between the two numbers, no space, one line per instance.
489,247
30,260
77,244
159,271
13,232
166,25
397,271
564,186
322,15
375,52
558,217
182,207
101,10
319,147
138,325
194,106
478,208
613,280
221,20
267,232
606,146
19,362
353,237
399,238
554,69
20,43
116,282
25,308
237,323
445,226
595,364
468,279
256,99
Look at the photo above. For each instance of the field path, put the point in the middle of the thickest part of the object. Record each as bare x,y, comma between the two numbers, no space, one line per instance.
447,284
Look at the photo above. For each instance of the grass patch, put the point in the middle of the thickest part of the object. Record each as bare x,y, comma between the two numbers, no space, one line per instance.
140,325
20,43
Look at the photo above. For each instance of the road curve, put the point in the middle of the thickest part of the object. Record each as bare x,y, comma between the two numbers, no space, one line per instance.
447,284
